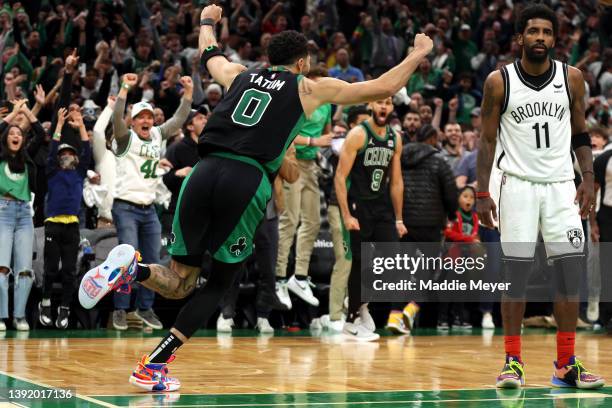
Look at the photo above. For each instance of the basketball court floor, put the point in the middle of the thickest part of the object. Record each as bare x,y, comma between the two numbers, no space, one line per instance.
300,369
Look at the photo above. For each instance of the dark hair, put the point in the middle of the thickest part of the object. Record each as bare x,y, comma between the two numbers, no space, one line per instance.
468,187
536,11
425,132
287,47
354,112
411,111
16,163
598,130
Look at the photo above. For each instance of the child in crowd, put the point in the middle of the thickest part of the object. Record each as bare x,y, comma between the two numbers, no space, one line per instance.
464,229
66,170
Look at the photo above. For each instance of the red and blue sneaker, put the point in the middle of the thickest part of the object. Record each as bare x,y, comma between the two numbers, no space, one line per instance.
115,273
154,376
574,375
512,375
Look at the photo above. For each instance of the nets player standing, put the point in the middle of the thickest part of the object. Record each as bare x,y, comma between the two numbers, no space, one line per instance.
534,108
370,191
224,197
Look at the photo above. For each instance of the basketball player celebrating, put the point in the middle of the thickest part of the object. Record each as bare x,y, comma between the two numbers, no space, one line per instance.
224,197
537,105
372,207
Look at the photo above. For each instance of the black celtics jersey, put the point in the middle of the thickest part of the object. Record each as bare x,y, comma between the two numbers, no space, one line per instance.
258,118
369,177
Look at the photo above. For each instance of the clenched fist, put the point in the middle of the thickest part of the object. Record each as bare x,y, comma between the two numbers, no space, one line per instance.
130,79
423,42
213,11
186,82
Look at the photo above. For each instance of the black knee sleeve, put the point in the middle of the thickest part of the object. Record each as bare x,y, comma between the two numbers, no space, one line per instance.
568,276
204,302
516,273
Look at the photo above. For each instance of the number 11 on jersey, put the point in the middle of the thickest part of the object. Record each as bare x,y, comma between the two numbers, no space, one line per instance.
536,127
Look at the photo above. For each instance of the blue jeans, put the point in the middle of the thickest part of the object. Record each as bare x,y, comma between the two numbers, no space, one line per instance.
16,247
140,228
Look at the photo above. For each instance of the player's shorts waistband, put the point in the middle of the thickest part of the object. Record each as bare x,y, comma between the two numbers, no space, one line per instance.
244,159
537,181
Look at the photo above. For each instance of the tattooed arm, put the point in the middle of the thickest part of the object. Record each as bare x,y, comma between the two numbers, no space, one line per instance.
585,194
175,282
490,111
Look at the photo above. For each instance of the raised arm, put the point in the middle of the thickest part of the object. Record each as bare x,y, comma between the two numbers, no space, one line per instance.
354,141
120,130
581,142
490,112
331,90
99,135
176,121
62,114
219,67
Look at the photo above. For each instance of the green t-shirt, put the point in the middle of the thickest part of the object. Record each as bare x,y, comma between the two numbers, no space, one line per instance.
15,184
313,127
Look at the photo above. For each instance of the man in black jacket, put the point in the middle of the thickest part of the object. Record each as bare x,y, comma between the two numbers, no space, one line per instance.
430,192
183,155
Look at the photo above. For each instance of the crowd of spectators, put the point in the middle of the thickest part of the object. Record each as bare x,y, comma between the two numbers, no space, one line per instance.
64,62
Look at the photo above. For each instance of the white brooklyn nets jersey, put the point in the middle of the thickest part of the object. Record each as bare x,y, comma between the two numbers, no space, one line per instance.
535,131
136,168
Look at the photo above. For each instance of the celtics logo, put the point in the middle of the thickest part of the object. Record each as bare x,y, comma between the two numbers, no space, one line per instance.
239,246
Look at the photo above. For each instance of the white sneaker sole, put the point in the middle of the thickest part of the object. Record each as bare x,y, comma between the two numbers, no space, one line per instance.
100,280
364,339
299,292
148,385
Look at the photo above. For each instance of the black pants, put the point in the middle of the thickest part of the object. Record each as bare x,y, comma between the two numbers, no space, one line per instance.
431,236
376,225
266,249
61,243
605,260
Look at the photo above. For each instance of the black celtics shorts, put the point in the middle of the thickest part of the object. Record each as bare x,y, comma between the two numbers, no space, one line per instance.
221,203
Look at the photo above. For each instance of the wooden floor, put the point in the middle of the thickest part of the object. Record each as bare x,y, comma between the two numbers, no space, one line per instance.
99,366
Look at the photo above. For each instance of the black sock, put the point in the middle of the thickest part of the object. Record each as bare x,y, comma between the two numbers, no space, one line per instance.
281,278
166,348
301,277
143,272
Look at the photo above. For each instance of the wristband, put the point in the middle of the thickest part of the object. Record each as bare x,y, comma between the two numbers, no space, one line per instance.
483,194
57,136
125,86
587,171
399,221
310,141
208,53
208,22
581,139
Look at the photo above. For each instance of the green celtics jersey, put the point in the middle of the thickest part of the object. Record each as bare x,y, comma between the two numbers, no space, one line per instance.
258,118
369,177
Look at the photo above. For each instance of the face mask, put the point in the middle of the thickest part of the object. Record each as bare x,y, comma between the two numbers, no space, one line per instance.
68,162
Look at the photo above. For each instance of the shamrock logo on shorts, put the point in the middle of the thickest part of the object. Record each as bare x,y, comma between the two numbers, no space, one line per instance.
237,248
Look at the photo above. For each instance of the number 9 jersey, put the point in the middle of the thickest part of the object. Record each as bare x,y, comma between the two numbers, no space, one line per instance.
258,118
369,177
535,132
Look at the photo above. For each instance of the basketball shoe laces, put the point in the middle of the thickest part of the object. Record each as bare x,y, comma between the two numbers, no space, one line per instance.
514,368
123,284
581,370
149,373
